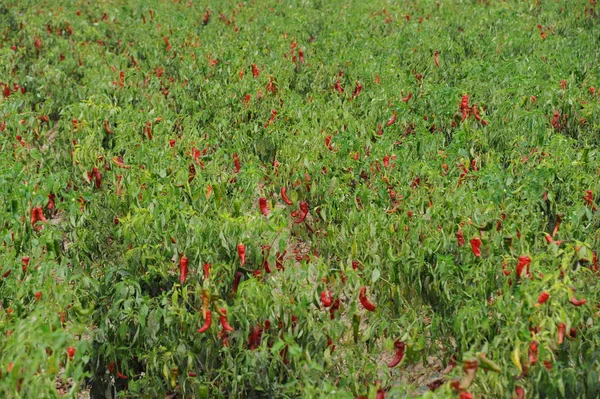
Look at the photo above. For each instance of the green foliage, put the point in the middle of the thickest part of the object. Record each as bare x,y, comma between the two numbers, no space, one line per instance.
132,117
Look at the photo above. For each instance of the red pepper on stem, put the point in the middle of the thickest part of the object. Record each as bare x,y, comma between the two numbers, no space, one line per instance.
241,249
400,348
224,322
364,301
207,322
183,269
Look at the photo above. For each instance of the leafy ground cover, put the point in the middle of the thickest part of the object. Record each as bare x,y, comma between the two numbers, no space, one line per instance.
299,199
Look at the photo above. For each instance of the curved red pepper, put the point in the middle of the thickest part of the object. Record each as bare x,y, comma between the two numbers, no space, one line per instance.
303,212
578,302
262,202
364,301
561,332
107,128
207,322
476,246
50,204
224,322
241,249
236,281
391,121
285,197
520,393
183,269
206,268
400,348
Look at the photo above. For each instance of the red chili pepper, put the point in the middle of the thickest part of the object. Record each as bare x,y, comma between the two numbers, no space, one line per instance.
357,90
460,237
533,352
262,202
119,178
119,162
400,347
107,128
573,333
466,395
555,120
236,281
224,322
544,296
255,71
183,269
255,337
407,98
364,301
285,197
34,216
524,262
436,59
561,332
330,344
464,106
328,143
241,249
303,212
206,18
207,322
338,87
97,177
578,302
334,307
236,162
38,295
24,263
391,121
265,253
475,111
271,85
476,246
206,268
148,130
71,352
589,198
121,79
326,298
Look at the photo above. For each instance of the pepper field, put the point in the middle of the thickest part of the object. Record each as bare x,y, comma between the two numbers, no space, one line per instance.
299,199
